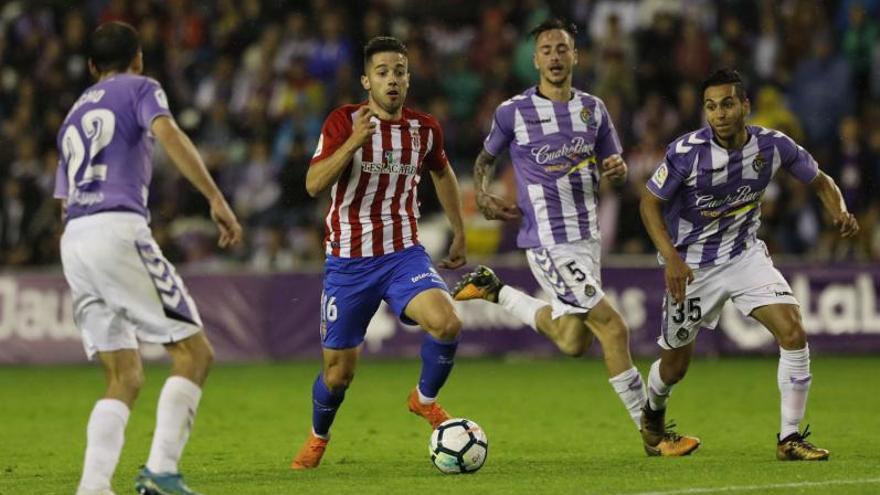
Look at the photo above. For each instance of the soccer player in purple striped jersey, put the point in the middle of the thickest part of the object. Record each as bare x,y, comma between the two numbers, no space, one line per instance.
562,143
702,208
124,290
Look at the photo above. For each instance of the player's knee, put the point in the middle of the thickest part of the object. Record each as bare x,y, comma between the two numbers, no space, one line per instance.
794,336
613,331
574,346
444,326
338,377
129,380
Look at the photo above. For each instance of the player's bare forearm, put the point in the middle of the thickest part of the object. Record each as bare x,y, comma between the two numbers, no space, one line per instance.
326,172
448,193
185,157
829,194
484,171
650,209
832,200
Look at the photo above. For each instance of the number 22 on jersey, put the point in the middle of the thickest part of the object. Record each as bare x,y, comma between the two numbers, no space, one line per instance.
98,125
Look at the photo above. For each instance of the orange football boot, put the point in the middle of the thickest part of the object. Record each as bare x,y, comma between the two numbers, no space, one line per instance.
310,454
431,412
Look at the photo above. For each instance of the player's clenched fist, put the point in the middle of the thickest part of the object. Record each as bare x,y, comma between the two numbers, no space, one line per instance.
362,126
614,169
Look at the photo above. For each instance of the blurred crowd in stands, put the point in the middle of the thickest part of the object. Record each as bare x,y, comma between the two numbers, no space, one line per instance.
251,82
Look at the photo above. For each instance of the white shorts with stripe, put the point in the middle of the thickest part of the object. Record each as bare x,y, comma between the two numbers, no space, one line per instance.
750,280
570,272
123,288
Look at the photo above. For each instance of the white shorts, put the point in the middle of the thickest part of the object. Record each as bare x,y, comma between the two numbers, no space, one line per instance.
123,288
570,272
749,280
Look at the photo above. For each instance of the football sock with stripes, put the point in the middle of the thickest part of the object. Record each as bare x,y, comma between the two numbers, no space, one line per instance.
631,390
178,403
438,357
794,379
105,435
325,403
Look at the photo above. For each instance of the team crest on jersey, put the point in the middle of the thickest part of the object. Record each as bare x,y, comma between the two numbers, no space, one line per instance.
585,115
758,163
415,140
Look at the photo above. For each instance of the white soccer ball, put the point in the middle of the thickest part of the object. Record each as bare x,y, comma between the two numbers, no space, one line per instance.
458,446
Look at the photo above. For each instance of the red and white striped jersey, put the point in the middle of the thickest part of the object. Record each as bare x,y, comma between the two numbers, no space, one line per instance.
373,205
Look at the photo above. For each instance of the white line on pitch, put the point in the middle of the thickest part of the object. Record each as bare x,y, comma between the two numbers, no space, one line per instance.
744,488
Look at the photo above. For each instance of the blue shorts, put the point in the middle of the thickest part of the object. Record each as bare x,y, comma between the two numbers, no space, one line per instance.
354,287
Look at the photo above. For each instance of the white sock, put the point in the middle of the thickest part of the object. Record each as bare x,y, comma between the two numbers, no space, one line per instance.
658,392
631,390
105,435
794,379
522,305
424,399
178,403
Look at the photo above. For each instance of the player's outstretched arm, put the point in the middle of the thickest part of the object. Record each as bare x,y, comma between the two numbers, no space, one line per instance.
492,207
448,193
324,173
834,204
186,158
677,273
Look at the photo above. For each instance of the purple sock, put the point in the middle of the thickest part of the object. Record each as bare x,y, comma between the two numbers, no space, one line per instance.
325,403
437,360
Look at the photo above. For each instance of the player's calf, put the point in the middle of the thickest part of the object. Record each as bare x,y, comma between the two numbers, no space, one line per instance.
795,447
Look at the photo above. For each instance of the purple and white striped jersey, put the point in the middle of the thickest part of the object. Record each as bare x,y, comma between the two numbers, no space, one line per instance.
556,149
106,146
713,194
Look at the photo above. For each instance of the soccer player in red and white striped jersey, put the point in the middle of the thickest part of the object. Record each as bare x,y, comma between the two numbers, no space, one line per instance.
371,156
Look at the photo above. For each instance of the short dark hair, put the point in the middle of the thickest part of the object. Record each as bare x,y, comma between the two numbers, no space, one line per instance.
382,44
113,46
554,23
725,76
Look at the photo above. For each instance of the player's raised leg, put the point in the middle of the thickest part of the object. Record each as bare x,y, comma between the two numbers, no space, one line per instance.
179,399
105,433
567,331
794,380
432,310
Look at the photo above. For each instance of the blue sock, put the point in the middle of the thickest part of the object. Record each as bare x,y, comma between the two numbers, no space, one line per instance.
437,360
325,403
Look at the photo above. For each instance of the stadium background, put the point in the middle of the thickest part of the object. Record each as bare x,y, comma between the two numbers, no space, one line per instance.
251,81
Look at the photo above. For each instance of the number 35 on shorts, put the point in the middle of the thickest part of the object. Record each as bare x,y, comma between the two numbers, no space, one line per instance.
682,319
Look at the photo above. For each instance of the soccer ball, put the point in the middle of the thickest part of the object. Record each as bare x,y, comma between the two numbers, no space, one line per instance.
458,446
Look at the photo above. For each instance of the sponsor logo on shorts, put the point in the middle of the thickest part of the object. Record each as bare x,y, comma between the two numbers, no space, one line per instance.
779,293
682,333
432,274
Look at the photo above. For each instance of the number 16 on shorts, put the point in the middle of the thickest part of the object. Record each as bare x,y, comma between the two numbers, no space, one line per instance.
328,313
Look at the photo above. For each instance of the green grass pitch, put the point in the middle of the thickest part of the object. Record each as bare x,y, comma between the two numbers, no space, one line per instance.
554,426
